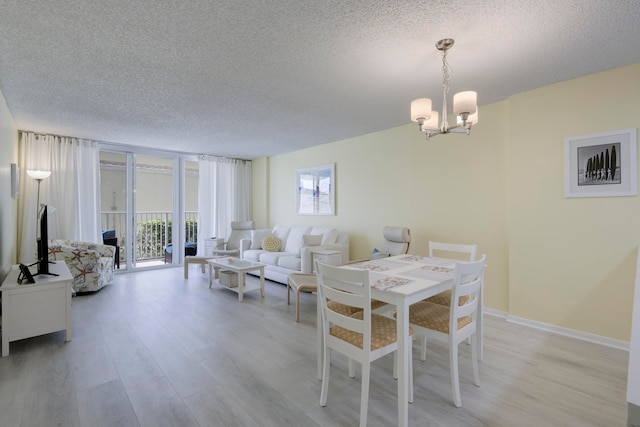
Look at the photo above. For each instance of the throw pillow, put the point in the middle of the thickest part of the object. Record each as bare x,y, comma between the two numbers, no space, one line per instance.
271,243
376,254
312,239
257,236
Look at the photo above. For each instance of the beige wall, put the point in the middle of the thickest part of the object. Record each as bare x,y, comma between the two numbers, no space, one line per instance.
8,205
566,262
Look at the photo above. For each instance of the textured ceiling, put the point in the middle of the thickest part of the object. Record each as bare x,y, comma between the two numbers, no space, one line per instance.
248,79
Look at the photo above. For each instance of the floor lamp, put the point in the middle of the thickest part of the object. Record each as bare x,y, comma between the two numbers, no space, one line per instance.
39,175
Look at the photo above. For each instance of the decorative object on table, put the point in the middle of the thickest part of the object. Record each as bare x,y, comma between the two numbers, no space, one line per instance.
456,323
25,275
601,164
315,190
465,104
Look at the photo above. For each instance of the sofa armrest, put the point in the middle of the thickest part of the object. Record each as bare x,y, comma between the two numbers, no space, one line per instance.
245,245
306,258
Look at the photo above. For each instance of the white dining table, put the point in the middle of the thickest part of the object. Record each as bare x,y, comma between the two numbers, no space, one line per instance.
403,280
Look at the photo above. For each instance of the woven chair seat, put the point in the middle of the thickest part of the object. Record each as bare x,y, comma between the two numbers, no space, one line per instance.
347,310
433,316
444,298
383,331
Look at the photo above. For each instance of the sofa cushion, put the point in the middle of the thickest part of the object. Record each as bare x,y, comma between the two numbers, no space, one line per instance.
257,236
253,254
295,241
271,243
281,232
312,239
329,235
291,262
271,258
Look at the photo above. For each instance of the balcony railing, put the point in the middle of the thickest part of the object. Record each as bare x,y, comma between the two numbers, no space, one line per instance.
153,232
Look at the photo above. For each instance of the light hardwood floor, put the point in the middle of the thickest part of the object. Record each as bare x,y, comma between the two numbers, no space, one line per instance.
155,349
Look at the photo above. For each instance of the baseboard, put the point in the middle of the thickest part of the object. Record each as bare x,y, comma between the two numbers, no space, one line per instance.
584,336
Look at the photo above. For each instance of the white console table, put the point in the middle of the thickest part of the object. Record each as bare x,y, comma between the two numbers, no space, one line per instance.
33,309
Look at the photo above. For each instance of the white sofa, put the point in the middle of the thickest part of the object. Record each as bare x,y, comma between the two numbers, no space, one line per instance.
294,254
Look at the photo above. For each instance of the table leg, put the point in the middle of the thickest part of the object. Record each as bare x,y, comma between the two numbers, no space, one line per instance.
402,325
5,325
480,327
319,346
186,269
241,286
68,315
262,281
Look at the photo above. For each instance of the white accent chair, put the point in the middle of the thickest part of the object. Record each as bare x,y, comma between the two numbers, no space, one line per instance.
231,247
396,242
362,336
455,323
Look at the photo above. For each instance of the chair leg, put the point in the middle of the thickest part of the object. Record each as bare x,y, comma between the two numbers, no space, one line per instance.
364,394
298,305
352,369
474,357
453,368
423,350
325,375
410,369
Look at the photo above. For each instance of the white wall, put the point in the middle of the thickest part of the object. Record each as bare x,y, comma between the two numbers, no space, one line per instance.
8,205
565,262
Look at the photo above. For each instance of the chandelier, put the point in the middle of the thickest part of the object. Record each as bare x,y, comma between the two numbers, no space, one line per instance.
465,104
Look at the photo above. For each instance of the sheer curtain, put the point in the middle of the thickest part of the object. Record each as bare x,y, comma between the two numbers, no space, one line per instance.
224,195
73,189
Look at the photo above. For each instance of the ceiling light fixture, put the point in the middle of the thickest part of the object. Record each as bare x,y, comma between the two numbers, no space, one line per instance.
465,104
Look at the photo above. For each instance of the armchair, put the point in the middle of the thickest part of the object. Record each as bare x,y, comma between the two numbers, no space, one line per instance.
231,247
90,264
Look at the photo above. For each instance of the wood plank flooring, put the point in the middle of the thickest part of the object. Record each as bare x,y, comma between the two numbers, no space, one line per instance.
155,349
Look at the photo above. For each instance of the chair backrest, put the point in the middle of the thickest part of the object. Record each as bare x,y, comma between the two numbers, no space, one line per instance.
347,287
471,251
397,240
468,281
239,230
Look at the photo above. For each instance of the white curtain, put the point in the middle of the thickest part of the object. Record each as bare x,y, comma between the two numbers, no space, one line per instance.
224,195
72,191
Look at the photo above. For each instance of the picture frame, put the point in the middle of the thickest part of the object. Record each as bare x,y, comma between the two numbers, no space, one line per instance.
315,190
601,164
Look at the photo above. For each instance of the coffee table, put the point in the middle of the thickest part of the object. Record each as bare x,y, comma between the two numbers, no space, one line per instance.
241,267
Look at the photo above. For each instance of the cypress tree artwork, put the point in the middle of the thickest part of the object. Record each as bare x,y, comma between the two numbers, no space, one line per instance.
613,162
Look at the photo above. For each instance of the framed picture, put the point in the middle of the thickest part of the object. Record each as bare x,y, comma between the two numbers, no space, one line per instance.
601,165
315,190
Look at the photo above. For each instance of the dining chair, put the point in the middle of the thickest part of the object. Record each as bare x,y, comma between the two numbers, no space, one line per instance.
455,323
362,336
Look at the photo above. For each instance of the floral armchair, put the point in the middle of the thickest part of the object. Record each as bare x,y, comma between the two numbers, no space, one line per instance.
90,264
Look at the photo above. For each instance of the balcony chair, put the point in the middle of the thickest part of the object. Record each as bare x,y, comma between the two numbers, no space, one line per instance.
455,323
361,336
190,248
231,247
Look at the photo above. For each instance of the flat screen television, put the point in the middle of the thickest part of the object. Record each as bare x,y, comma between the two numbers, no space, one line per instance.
42,244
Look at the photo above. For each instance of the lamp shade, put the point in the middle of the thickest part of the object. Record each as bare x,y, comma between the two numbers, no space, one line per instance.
38,174
465,102
432,123
420,109
471,120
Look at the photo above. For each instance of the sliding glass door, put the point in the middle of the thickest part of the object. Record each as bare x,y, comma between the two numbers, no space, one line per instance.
149,204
